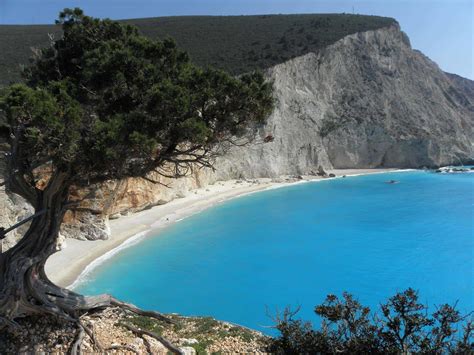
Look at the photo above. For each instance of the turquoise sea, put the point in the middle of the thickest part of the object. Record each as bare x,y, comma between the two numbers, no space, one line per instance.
248,257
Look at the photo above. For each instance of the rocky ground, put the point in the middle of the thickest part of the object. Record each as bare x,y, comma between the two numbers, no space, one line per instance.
115,331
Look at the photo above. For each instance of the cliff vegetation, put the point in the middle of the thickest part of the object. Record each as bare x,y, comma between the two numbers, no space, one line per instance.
236,44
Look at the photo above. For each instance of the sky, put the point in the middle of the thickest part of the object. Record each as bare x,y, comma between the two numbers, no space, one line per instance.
441,29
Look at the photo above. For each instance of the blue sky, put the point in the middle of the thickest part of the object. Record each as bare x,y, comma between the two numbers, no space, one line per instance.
442,29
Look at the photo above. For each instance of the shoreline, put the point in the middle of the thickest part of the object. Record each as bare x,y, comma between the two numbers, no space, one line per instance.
71,265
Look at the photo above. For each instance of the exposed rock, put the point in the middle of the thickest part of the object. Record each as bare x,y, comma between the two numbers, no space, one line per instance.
321,171
187,350
465,88
113,199
13,208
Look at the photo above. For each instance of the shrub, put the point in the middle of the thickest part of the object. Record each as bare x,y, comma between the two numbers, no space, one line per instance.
402,327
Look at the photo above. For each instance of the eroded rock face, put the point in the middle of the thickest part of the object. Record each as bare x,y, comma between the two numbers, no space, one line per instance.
13,208
115,198
369,100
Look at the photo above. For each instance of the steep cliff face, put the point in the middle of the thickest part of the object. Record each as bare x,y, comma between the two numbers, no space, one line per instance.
369,100
12,210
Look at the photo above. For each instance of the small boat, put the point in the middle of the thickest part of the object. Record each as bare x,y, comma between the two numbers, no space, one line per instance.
392,182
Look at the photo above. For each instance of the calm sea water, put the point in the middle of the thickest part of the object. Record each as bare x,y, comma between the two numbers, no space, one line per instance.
293,246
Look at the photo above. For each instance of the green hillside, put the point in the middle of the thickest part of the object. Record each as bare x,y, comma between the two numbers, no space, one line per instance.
235,43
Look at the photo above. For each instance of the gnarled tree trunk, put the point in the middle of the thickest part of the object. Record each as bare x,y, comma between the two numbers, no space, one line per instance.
24,287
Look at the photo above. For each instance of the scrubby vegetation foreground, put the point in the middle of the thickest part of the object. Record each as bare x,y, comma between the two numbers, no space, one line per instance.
118,331
403,326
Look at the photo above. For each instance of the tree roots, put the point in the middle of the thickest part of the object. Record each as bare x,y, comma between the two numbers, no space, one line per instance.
76,345
73,307
84,329
162,340
138,311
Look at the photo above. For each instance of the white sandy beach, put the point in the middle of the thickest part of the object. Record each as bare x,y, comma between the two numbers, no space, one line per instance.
78,257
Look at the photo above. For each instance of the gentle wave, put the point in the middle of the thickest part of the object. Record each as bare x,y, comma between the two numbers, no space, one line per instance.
83,277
